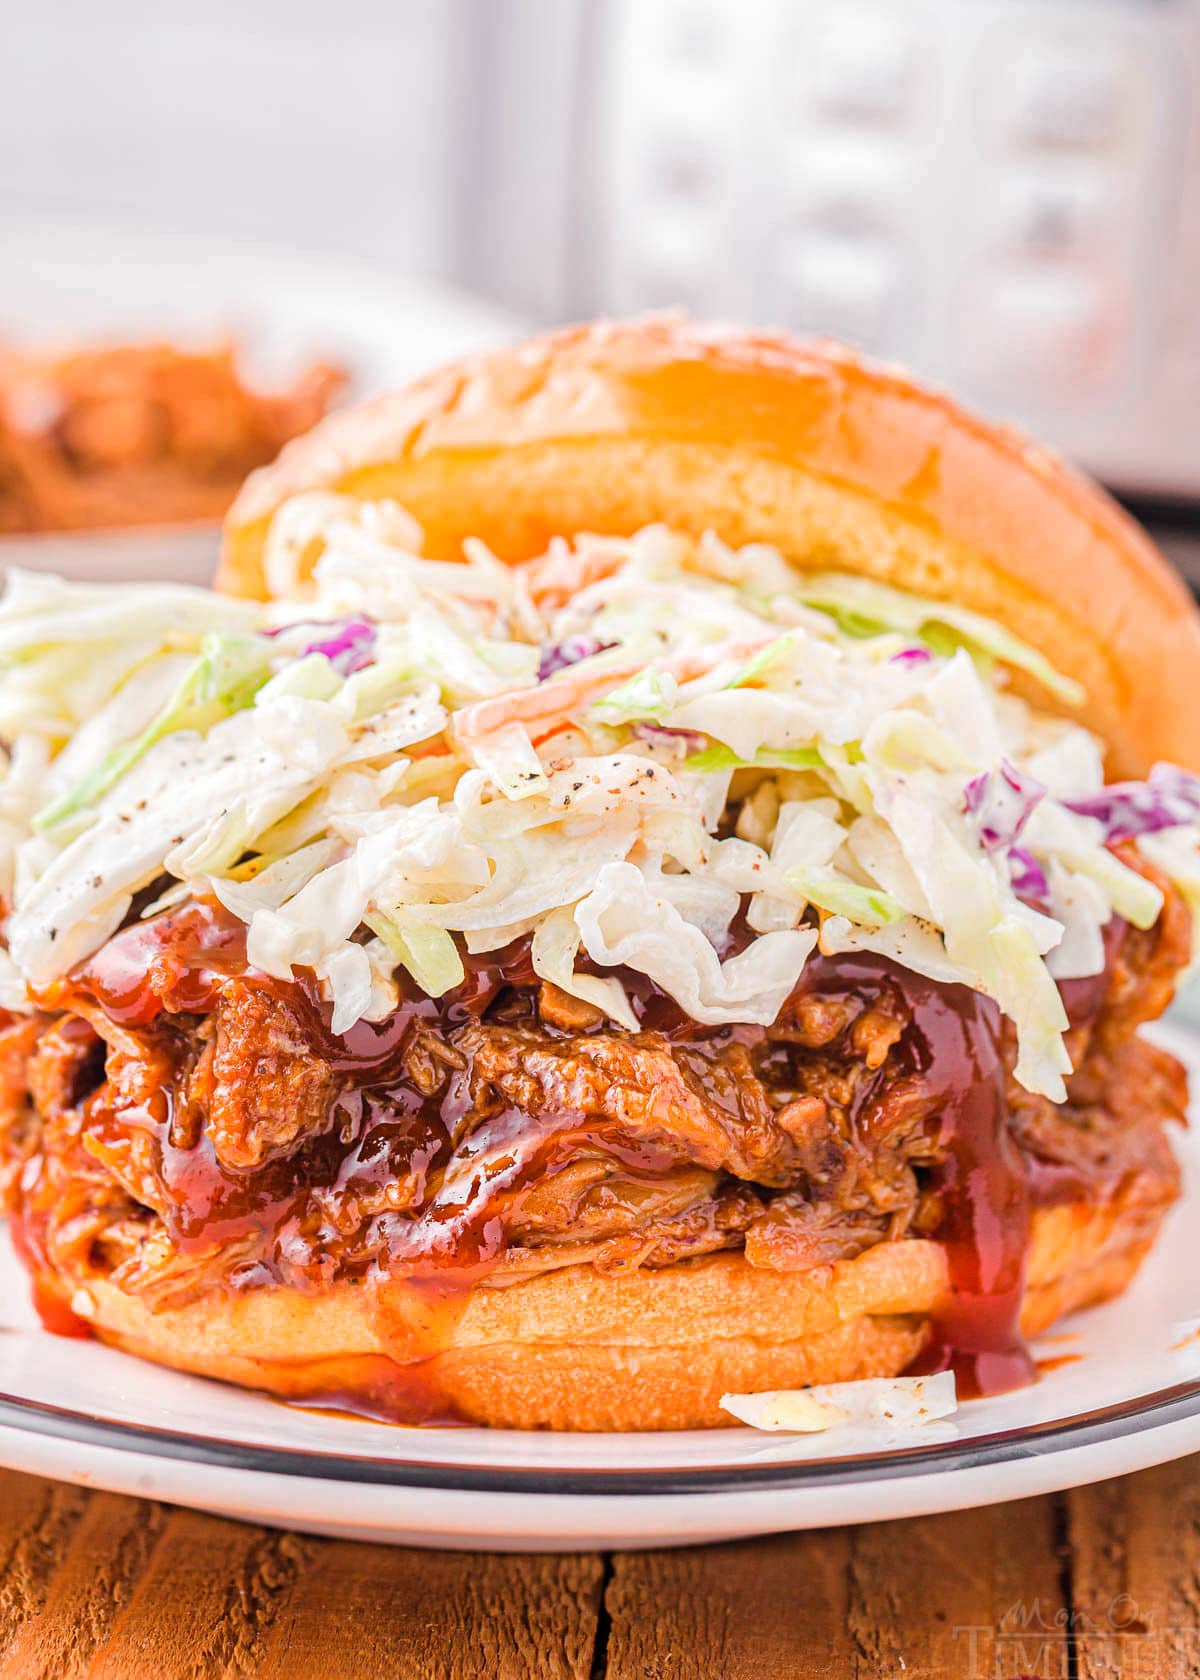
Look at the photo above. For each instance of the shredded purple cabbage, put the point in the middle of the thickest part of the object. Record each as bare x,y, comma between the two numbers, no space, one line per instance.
1002,802
1027,875
1169,798
349,643
684,740
911,656
352,649
558,655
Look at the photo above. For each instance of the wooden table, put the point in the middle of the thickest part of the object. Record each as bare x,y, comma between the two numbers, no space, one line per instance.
1102,1584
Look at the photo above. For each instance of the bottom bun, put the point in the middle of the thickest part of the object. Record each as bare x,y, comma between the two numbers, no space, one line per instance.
579,1349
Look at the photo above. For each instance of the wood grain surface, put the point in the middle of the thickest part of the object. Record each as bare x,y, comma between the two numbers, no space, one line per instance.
1099,1584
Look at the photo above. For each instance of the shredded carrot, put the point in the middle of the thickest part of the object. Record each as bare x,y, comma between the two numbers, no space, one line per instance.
565,728
555,577
548,702
569,692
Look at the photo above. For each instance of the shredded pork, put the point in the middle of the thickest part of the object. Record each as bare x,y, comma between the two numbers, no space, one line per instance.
235,1144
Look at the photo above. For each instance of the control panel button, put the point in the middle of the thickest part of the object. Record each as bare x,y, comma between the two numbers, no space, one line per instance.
846,289
682,169
865,66
1047,333
851,186
1039,217
1075,96
673,269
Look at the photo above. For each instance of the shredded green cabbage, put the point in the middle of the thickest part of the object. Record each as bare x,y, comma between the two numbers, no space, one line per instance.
718,757
428,953
227,676
649,695
831,891
862,608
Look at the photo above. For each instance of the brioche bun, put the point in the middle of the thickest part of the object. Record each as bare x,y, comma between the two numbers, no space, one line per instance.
578,1349
839,464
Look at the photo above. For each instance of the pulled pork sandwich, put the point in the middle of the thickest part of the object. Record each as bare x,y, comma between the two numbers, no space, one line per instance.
618,900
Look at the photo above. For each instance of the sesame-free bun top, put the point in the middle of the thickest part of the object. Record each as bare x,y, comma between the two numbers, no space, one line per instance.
839,463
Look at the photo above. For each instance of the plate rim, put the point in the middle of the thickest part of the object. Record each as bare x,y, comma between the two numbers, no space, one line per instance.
1144,1414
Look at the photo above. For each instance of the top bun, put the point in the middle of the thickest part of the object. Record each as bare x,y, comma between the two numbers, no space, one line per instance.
841,464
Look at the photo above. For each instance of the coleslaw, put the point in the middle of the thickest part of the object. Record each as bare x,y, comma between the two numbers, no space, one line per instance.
618,748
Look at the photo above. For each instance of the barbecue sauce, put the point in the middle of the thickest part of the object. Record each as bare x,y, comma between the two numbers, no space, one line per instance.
46,1292
179,963
952,1044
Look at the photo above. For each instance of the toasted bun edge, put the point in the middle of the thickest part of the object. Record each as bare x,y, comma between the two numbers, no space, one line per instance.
578,1349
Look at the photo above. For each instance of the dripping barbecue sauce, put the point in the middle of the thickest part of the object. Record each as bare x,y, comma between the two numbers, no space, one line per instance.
987,1187
179,962
982,1179
952,1044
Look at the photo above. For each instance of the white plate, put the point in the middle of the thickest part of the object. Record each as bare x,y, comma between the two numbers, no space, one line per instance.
1129,1398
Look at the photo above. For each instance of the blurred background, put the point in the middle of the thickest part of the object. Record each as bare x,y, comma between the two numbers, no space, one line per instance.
1004,194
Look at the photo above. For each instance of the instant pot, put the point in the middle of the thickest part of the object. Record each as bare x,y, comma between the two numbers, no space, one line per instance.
1004,194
